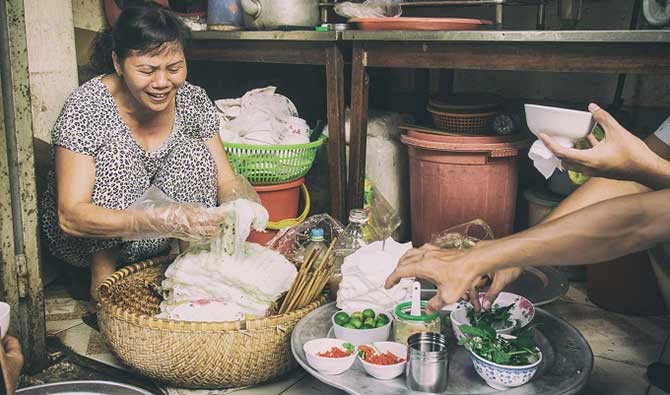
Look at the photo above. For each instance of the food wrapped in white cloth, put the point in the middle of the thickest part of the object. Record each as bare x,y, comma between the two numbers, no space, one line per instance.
229,279
364,273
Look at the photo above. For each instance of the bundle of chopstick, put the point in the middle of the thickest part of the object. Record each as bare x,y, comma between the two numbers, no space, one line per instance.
310,281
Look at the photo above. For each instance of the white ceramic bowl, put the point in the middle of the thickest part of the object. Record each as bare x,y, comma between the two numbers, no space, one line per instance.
503,377
386,372
327,365
564,125
5,311
363,336
523,312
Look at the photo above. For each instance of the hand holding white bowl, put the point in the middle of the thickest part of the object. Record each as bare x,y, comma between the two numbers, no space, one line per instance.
564,125
619,155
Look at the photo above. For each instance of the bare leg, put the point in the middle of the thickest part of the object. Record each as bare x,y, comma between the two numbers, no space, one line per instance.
103,265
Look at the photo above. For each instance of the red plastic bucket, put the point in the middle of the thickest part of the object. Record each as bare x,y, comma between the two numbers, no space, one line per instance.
454,179
281,201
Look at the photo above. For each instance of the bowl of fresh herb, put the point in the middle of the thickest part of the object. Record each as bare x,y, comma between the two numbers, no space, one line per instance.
503,361
507,313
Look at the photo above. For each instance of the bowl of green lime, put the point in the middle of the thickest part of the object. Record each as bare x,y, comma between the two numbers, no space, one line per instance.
362,327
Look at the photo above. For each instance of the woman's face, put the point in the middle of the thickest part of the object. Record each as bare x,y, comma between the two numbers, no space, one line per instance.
153,79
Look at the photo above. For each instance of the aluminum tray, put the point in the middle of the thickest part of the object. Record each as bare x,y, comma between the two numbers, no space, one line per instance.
568,361
83,388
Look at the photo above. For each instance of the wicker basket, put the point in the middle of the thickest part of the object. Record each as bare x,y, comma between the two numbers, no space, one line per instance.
190,354
467,123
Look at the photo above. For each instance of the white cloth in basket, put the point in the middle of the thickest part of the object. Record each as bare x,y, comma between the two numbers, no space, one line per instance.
363,276
229,278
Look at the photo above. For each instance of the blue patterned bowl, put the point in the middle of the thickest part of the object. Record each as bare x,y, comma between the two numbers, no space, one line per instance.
502,377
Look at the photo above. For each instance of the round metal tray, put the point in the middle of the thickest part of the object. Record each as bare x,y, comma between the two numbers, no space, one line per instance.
568,361
83,388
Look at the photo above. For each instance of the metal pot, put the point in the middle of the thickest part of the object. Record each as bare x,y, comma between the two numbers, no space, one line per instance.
270,14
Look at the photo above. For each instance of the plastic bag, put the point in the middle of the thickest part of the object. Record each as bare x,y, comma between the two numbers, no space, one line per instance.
290,241
463,236
369,9
156,215
383,219
261,117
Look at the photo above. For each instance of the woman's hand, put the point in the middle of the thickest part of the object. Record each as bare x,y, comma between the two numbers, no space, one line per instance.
11,360
446,268
185,221
620,155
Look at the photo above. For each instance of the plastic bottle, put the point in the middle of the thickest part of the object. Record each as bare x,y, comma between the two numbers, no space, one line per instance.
349,241
316,243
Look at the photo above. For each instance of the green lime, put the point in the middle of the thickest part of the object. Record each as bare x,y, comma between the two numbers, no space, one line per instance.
356,322
341,318
366,326
383,319
349,325
577,178
369,322
369,313
357,314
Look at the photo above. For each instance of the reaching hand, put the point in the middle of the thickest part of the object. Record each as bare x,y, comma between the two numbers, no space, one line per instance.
11,360
620,155
446,268
501,279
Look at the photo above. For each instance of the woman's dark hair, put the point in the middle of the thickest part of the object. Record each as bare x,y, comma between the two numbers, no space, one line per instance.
144,28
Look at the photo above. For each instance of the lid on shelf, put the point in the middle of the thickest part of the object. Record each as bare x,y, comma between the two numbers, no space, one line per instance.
466,102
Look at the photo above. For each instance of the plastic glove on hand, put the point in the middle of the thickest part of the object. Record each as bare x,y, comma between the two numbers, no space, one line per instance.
191,222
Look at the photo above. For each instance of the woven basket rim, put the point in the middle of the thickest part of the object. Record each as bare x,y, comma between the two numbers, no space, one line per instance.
179,325
462,114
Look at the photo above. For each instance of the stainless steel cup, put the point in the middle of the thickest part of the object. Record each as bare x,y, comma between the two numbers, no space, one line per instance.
427,362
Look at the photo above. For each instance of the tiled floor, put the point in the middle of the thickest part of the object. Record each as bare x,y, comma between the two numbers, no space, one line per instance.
622,345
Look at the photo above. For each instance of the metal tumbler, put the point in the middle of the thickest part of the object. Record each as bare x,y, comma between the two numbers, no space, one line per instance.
427,362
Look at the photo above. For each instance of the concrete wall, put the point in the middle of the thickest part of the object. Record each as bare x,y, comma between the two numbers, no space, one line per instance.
51,58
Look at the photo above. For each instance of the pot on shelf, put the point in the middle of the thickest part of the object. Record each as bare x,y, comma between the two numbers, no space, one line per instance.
270,14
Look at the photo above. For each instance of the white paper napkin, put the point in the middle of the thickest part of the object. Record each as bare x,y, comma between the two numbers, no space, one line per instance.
543,159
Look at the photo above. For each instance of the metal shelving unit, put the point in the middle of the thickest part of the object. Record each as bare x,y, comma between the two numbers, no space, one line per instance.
498,4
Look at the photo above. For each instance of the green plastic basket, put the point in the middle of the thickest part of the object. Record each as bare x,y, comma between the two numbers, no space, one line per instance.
272,164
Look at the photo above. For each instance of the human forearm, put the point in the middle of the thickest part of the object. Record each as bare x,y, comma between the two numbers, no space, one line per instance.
594,191
654,173
599,232
91,221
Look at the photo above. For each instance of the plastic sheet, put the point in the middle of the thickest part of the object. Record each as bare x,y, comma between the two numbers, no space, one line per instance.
291,241
463,236
383,219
